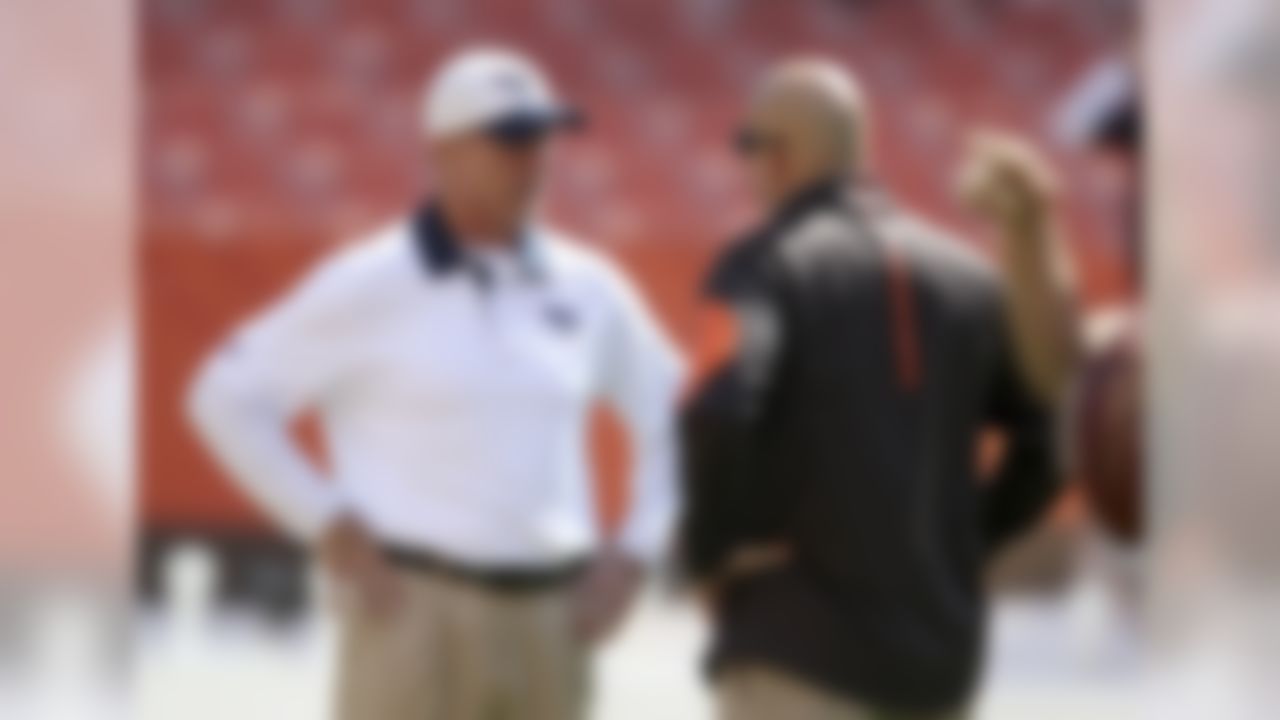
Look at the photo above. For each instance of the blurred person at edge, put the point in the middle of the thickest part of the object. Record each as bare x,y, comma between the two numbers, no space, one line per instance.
453,358
835,520
1090,366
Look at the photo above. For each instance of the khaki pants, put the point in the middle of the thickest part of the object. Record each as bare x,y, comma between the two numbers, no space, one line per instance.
456,651
755,692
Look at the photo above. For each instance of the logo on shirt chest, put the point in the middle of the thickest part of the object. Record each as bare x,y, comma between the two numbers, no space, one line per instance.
561,317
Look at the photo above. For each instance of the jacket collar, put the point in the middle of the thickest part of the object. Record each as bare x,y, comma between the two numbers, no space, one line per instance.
820,194
857,194
440,252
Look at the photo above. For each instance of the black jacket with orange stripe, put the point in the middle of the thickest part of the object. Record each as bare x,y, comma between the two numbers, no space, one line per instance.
872,351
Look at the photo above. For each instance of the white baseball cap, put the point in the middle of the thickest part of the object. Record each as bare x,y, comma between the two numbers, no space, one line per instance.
497,90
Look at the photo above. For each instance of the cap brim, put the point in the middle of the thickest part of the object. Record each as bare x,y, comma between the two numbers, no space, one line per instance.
528,126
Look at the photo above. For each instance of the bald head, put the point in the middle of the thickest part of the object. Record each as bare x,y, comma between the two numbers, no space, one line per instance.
808,123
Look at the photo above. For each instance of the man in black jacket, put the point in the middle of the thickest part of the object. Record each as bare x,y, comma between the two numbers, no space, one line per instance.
835,511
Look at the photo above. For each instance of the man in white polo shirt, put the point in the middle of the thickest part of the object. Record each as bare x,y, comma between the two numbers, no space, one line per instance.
453,359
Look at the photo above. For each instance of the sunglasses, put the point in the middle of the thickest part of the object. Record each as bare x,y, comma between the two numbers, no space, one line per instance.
751,141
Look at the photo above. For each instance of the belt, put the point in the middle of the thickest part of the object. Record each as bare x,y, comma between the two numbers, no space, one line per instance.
512,579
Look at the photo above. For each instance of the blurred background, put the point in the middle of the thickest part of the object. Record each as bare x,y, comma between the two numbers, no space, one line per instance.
274,130
169,165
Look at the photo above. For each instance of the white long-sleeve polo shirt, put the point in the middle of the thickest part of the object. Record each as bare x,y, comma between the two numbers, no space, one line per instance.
454,395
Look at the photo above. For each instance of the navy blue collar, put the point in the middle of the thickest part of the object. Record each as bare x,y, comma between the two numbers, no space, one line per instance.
441,253
437,247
